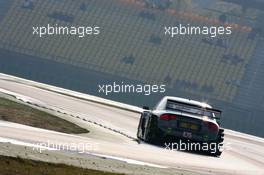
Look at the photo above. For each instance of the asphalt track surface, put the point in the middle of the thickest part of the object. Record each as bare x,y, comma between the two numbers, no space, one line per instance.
244,153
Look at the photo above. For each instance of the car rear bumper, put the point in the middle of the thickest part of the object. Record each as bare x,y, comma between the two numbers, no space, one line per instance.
188,135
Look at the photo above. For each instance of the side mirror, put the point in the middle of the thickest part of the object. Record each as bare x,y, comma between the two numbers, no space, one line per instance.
145,107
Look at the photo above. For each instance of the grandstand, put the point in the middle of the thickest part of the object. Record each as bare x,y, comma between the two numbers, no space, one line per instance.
4,6
203,68
132,44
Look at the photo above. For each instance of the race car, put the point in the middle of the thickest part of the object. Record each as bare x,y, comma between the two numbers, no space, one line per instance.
182,119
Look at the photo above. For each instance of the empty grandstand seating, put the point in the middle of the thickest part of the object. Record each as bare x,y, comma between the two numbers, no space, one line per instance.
131,45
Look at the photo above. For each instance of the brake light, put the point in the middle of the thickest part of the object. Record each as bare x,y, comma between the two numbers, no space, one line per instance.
211,126
168,117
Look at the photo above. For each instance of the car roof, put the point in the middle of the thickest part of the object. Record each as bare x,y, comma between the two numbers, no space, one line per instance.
188,101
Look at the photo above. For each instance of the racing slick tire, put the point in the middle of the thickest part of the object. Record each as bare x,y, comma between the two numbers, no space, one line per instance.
148,134
140,129
218,144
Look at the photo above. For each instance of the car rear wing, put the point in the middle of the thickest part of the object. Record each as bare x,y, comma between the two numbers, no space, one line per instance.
217,112
190,108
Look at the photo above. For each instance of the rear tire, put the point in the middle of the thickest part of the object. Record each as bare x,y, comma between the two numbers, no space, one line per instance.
151,132
219,142
140,129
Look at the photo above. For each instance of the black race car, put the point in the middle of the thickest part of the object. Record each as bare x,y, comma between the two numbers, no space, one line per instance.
182,119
